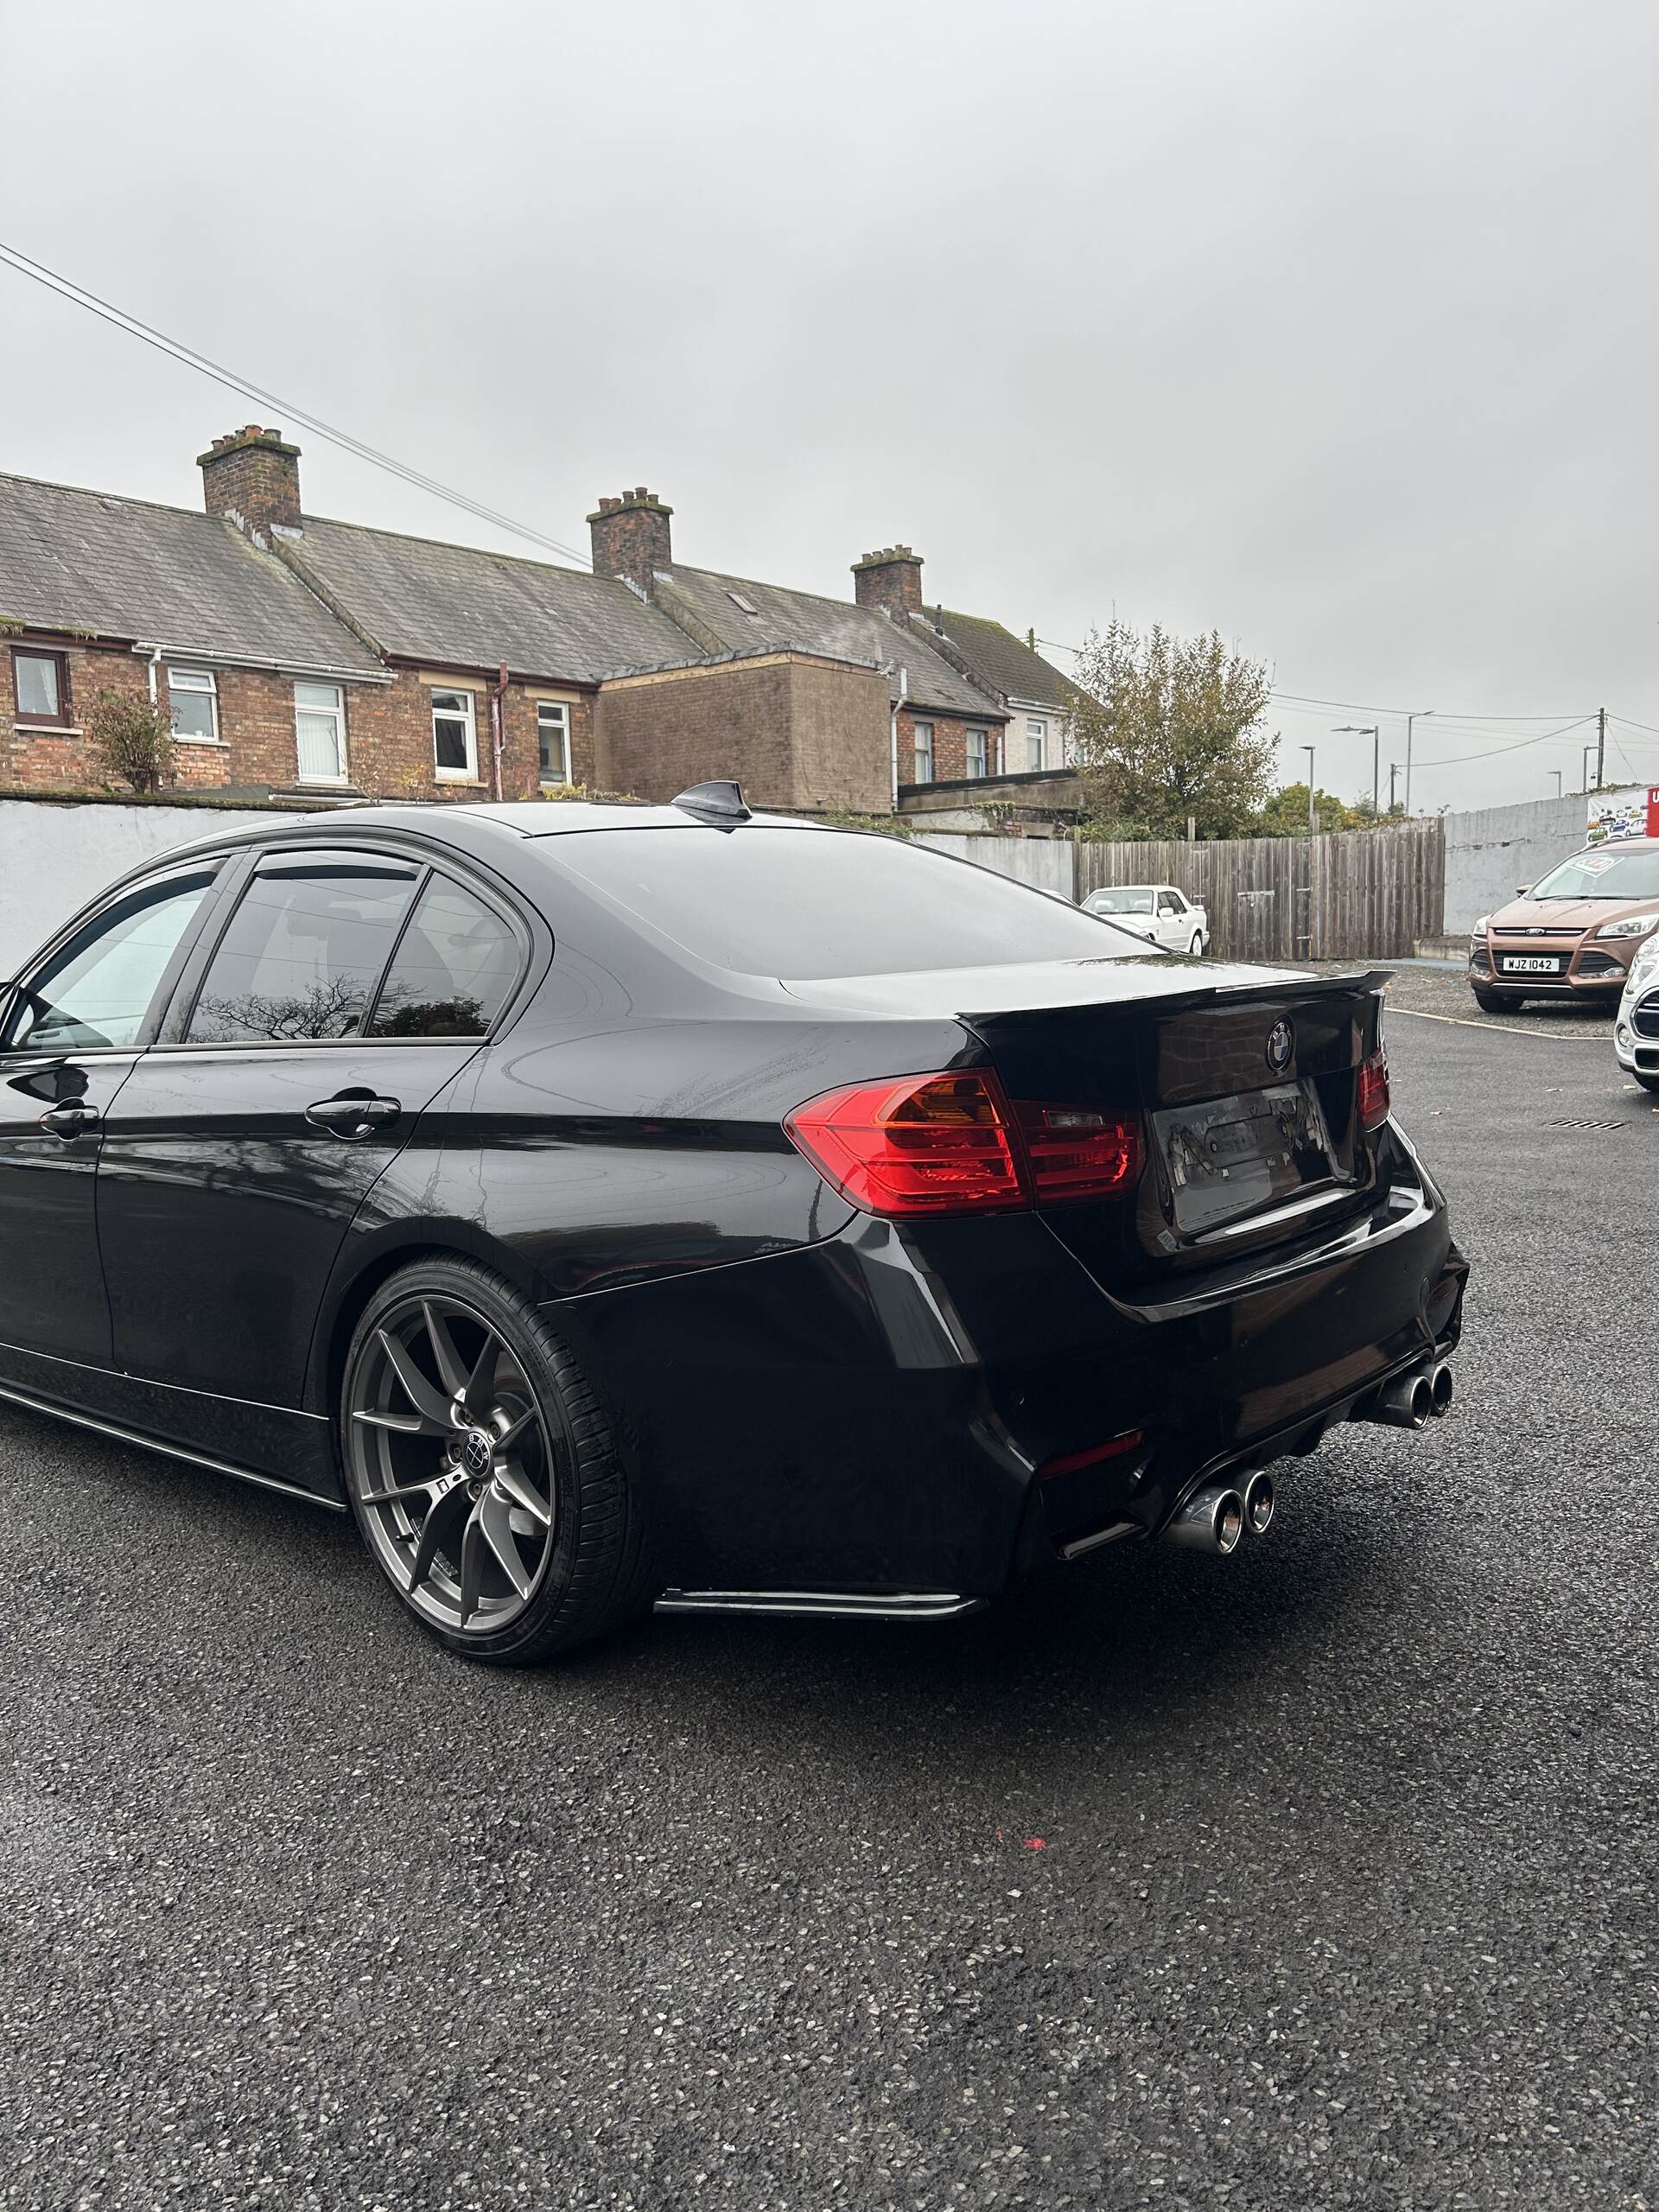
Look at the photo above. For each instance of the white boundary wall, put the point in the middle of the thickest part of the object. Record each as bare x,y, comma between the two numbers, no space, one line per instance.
1046,863
53,859
1492,850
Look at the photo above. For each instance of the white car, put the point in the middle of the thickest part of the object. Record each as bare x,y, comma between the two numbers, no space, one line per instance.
1157,912
1635,1026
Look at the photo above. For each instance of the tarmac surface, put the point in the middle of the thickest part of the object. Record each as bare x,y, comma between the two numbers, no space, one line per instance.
1324,1876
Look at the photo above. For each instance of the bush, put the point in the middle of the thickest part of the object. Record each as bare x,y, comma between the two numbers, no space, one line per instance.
131,739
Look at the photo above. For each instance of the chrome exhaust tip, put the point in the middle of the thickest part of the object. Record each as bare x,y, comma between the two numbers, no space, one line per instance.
1440,1388
1213,1519
1259,1502
1408,1402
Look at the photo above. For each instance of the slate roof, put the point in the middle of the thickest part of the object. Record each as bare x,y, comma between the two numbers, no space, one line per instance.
88,560
832,626
1005,664
455,604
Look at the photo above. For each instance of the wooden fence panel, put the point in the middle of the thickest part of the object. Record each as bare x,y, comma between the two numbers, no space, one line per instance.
1355,895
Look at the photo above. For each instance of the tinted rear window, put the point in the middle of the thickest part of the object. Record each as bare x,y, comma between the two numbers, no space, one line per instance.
804,903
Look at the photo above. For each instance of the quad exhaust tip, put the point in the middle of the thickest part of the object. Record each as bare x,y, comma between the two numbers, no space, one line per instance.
1414,1399
1213,1519
1259,1502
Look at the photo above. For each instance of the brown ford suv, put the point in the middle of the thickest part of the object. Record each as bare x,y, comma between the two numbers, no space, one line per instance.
1573,934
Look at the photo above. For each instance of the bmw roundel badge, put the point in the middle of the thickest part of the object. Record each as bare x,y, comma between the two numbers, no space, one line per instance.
1282,1043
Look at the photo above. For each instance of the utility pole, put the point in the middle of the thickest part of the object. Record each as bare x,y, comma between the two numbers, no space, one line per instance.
1393,770
1312,818
1601,743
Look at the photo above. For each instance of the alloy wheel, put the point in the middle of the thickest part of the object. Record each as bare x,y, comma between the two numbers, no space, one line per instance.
454,1463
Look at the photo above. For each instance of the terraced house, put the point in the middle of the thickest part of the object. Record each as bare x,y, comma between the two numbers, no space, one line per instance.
303,657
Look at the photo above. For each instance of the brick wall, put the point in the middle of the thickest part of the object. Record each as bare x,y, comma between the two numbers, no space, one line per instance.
949,744
388,730
794,731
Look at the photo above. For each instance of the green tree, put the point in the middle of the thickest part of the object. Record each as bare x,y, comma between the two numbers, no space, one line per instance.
1285,814
1170,726
131,739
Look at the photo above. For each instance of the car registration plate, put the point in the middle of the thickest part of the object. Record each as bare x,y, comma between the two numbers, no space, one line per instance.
1232,1156
1530,963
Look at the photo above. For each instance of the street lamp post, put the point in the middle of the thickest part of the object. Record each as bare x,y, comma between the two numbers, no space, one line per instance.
1557,774
1418,715
1370,730
1584,766
1313,824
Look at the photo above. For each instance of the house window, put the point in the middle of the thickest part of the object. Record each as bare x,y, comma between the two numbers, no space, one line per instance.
924,752
193,696
975,742
40,683
320,733
455,738
1036,742
553,731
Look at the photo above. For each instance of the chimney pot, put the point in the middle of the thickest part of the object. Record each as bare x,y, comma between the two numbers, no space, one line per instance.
631,538
889,581
253,475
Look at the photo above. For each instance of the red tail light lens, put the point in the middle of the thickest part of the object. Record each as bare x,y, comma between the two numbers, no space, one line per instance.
935,1144
921,1144
1075,1153
1373,1091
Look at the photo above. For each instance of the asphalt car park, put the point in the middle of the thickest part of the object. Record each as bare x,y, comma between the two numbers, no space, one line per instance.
1321,1875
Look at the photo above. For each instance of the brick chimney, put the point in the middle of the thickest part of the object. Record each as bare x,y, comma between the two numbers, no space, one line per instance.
253,477
890,582
631,538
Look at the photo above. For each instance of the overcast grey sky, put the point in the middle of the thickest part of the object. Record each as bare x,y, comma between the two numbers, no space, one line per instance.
1327,323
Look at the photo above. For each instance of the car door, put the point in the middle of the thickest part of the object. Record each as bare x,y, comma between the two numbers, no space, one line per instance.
71,1032
346,990
1172,932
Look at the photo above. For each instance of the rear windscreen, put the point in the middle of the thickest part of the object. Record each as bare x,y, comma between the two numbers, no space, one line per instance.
805,903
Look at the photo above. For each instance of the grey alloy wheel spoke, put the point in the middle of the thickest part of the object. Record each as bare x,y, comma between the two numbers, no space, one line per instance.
474,1393
524,1493
493,1519
405,1424
515,1428
425,1397
431,1537
404,1494
450,1371
471,1567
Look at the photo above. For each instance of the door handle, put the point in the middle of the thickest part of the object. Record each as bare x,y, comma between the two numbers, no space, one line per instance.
69,1121
353,1114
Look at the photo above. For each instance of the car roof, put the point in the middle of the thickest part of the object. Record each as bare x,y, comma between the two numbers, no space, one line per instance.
458,825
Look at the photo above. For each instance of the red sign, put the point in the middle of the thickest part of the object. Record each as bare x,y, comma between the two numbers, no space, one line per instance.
1653,811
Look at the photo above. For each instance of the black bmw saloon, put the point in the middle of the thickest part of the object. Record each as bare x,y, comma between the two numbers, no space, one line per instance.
621,1205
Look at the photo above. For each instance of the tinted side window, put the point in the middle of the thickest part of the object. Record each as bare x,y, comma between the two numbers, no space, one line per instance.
304,951
99,988
454,968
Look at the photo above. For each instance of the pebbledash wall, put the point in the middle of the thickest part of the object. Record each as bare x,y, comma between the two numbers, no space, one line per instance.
53,858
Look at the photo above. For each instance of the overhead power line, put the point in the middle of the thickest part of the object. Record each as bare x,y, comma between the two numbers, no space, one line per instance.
78,296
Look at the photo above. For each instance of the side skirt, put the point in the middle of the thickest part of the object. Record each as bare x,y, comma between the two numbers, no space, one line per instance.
168,1451
834,1605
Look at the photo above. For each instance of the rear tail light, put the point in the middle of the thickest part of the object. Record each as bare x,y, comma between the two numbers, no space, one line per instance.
939,1144
1074,1154
1374,1091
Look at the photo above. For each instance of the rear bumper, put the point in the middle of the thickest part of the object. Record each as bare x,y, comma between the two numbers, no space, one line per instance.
869,1417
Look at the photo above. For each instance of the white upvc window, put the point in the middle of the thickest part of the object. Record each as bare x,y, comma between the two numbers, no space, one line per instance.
320,732
924,740
1036,742
192,696
553,735
455,738
975,744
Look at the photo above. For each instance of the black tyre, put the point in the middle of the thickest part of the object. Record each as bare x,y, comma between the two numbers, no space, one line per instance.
1491,1003
1195,950
482,1469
